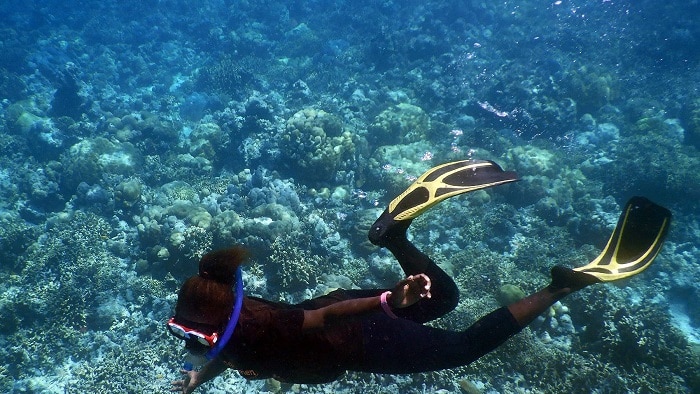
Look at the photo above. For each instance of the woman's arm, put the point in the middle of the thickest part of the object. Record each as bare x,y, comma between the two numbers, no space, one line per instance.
194,379
407,292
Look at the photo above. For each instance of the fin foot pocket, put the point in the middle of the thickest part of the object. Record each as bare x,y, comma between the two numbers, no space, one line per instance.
563,277
385,229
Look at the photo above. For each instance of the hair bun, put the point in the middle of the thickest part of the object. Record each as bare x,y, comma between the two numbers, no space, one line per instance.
221,265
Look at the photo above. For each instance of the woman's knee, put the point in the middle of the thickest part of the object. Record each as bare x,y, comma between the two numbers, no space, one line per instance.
444,299
449,296
443,288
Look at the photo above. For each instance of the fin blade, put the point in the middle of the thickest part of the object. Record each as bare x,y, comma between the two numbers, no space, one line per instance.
635,242
447,180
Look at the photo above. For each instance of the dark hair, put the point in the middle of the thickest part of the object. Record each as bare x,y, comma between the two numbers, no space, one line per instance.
209,294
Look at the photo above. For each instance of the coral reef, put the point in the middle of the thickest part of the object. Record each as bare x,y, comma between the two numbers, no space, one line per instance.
401,123
296,269
228,75
128,193
72,278
650,163
692,122
508,294
89,160
591,88
314,145
136,137
394,167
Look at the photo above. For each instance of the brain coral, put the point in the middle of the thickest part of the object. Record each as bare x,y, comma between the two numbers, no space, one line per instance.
90,159
314,144
402,122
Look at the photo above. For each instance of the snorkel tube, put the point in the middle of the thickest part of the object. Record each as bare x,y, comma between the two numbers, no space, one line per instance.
232,321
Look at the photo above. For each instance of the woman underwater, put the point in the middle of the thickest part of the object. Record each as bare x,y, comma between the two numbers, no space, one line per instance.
381,330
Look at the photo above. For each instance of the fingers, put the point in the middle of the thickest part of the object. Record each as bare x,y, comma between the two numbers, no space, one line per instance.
423,278
178,386
420,283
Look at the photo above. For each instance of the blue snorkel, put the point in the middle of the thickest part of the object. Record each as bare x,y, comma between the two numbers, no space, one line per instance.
232,321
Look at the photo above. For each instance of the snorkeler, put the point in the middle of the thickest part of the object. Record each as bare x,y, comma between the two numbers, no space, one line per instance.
381,330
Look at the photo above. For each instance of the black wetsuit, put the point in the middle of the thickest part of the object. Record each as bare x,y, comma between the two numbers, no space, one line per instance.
269,342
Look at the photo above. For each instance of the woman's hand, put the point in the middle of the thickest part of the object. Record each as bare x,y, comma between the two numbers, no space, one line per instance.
409,291
188,384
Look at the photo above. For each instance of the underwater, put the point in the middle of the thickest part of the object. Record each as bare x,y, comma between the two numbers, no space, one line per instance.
136,136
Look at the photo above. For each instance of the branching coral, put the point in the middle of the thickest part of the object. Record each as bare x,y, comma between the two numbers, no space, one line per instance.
15,236
69,299
193,242
634,337
113,372
296,269
228,75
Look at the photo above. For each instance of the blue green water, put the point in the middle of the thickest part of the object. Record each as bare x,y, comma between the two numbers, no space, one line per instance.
136,136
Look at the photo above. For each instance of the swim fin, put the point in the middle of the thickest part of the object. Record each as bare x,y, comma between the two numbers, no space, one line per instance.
435,185
447,180
635,242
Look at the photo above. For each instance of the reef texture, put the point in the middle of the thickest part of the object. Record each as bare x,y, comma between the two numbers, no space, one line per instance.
136,136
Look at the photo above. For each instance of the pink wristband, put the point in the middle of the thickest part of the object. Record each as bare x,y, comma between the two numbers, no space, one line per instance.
385,305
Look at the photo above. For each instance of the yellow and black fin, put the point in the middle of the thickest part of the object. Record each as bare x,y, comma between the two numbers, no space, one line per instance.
445,181
635,242
435,185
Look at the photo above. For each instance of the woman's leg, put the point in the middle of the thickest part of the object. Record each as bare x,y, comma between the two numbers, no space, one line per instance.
401,346
397,346
445,294
564,282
